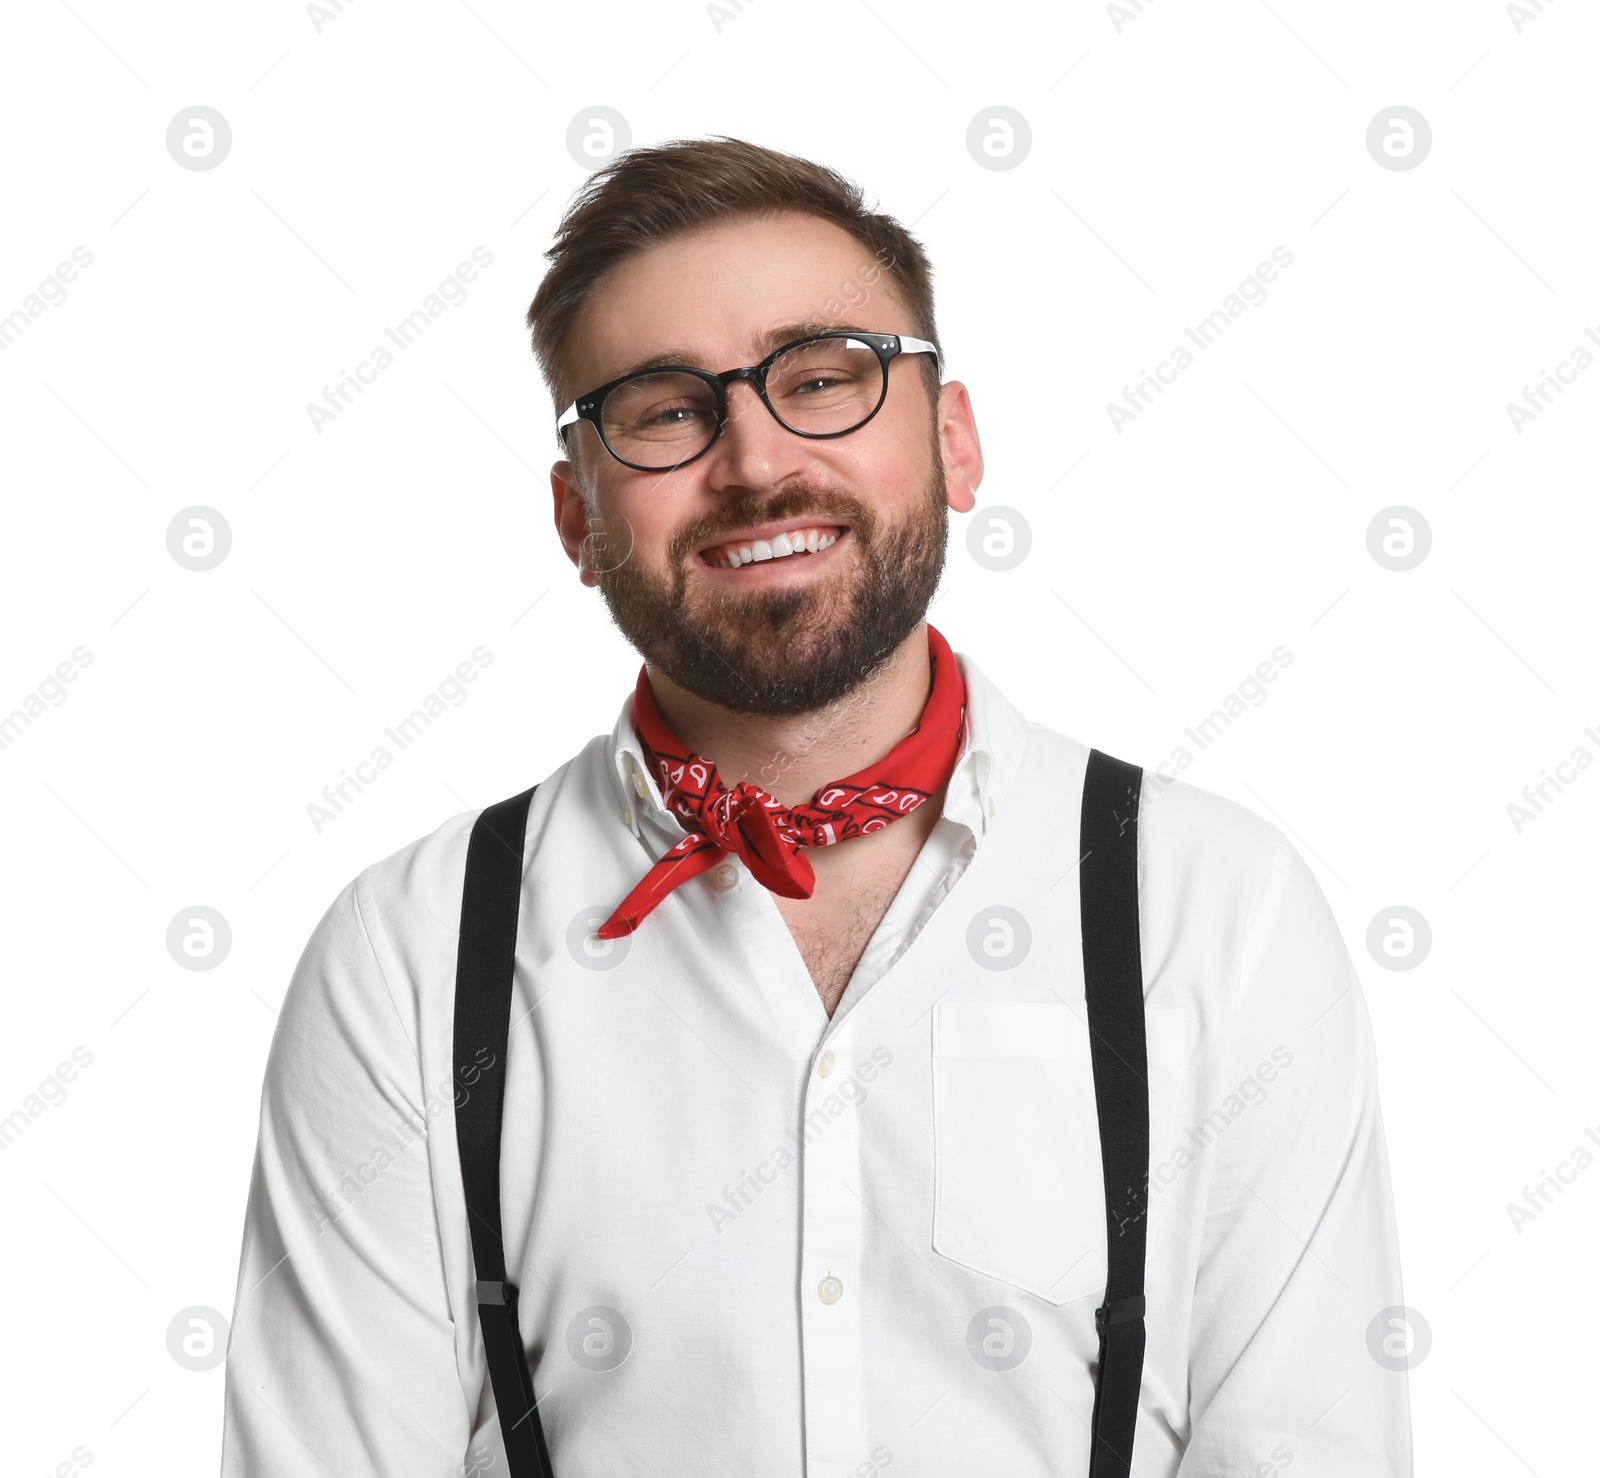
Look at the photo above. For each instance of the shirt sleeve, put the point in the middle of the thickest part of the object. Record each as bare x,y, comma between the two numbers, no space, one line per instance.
341,1355
1299,1257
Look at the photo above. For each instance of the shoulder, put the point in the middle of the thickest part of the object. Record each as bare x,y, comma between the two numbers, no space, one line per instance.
371,999
386,933
1187,830
410,901
415,892
1233,922
1200,853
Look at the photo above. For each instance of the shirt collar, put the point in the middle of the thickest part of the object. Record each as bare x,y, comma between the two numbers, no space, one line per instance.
996,736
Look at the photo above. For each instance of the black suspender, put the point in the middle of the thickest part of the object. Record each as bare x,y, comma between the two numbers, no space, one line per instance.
1108,895
485,961
1108,890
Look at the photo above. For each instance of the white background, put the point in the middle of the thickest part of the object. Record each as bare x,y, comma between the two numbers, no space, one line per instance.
1171,151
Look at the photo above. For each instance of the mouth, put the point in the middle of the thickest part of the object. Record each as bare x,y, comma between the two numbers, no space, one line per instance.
789,544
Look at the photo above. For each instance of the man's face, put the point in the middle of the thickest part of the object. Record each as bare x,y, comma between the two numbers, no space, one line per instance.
792,633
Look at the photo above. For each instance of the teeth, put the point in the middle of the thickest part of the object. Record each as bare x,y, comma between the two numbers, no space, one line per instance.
796,541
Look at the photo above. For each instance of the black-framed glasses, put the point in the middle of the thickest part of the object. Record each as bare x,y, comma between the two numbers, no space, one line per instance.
824,385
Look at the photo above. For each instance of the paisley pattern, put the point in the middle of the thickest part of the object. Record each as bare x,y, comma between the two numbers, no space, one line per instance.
769,836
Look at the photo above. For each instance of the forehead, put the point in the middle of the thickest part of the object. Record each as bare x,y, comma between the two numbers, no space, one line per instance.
708,297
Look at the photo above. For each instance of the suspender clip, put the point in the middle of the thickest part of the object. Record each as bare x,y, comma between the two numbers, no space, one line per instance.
1113,1311
496,1292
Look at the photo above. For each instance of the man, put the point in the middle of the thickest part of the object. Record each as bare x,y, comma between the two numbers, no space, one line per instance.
800,1170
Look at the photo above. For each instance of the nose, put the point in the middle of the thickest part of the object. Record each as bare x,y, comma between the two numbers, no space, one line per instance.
754,450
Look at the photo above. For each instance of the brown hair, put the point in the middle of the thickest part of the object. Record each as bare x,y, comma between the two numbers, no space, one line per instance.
646,196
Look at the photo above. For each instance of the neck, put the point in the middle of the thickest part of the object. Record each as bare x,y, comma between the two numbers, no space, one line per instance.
792,756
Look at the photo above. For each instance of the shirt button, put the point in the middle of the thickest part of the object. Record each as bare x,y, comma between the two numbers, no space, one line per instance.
639,786
725,876
825,1063
627,815
830,1290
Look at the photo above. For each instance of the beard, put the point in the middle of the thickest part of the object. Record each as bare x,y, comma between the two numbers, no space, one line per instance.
793,650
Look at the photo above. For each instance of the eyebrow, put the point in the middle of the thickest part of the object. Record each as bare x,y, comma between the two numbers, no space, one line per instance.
772,339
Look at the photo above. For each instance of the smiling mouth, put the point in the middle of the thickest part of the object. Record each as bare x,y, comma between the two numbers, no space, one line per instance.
736,554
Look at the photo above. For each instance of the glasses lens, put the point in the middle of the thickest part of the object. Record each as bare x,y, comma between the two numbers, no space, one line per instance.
659,419
826,386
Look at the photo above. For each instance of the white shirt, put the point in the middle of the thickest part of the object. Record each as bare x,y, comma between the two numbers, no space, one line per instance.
753,1240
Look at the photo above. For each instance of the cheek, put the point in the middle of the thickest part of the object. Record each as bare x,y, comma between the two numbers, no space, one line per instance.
892,462
640,528
608,535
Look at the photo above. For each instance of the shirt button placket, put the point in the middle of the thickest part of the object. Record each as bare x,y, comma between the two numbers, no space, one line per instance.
830,1279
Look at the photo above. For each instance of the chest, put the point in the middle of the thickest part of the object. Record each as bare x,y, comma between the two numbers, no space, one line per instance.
833,927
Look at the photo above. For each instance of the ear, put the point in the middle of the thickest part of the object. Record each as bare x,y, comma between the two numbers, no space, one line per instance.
572,518
958,445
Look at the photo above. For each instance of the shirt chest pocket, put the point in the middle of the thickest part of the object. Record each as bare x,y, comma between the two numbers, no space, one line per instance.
1018,1193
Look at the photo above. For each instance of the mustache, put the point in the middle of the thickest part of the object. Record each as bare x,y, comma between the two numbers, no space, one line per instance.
825,506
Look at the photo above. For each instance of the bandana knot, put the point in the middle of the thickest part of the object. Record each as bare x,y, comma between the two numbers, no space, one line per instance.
768,836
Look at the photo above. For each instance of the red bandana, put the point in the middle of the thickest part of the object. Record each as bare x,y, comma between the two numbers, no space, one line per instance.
764,832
